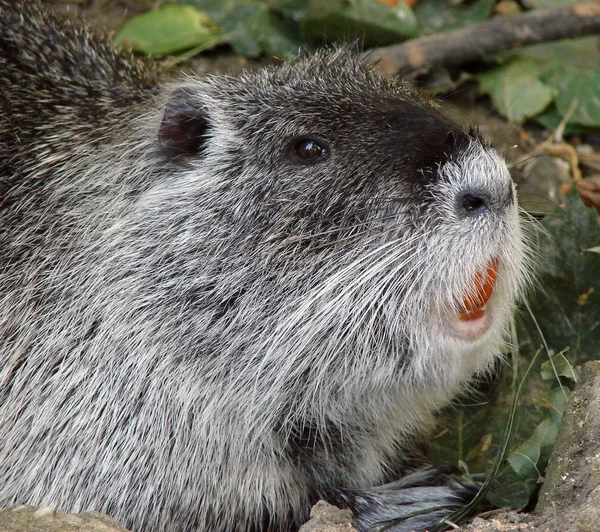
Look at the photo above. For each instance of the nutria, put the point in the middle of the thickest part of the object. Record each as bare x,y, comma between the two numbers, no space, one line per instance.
225,298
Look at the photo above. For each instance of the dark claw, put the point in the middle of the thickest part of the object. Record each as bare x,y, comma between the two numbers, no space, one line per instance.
427,488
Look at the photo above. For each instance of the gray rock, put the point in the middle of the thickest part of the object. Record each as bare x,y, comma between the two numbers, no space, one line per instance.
325,517
31,519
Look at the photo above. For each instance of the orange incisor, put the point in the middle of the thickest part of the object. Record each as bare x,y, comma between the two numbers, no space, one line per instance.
473,305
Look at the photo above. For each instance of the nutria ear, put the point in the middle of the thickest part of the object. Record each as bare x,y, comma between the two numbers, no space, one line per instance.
184,127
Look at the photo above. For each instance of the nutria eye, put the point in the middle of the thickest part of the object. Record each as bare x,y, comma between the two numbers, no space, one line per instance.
309,150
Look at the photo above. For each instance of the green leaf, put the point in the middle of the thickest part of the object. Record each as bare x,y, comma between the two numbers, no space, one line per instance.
371,22
571,68
291,8
559,366
436,16
551,119
516,88
558,399
252,27
530,458
281,27
576,77
170,29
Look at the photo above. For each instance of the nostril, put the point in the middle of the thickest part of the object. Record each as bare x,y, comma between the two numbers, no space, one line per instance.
472,203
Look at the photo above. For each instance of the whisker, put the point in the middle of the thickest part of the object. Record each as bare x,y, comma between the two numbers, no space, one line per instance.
350,279
299,238
547,349
525,160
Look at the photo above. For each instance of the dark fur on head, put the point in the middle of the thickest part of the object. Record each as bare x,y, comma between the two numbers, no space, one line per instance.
223,299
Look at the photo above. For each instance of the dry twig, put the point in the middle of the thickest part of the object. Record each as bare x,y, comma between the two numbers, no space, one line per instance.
501,33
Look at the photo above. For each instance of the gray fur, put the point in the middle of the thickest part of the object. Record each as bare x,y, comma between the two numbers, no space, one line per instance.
213,342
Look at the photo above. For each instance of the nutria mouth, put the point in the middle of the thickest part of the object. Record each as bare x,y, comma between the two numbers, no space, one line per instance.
475,301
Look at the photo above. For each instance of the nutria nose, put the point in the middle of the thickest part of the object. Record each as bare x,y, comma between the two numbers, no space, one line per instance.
471,203
474,202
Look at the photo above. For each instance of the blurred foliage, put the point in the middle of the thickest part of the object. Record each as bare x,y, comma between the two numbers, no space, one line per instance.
371,22
437,16
540,82
516,88
564,74
253,27
274,27
169,30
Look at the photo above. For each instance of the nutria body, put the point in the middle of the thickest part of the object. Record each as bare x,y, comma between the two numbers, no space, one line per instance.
224,299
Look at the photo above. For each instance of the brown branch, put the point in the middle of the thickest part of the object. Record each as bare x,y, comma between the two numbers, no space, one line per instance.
501,33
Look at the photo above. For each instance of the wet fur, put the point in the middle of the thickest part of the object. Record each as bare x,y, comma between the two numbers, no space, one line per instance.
203,334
